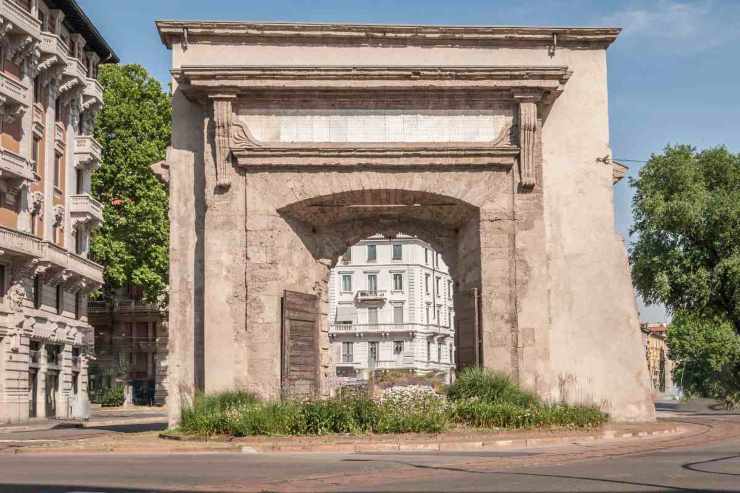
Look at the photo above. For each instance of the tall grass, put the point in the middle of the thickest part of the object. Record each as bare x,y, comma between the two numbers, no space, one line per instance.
478,398
491,387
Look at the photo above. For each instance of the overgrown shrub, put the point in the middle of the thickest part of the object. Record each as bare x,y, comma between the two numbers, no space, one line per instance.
112,396
491,387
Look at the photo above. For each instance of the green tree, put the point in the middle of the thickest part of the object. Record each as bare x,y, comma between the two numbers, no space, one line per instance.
687,221
133,129
687,257
708,352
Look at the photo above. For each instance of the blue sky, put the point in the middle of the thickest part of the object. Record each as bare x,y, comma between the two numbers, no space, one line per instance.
673,73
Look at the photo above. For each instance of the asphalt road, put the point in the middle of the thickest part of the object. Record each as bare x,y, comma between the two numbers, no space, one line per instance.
704,463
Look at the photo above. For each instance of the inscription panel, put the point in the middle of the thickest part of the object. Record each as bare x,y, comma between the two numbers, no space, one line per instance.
376,125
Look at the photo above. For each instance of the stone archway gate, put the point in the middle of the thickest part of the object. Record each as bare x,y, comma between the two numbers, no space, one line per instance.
291,141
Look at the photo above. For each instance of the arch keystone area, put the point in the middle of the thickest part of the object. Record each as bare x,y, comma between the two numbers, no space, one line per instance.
292,141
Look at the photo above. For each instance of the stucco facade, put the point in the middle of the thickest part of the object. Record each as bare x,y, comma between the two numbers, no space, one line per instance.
49,97
293,141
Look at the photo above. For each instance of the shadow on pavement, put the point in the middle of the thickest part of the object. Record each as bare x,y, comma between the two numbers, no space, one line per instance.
135,428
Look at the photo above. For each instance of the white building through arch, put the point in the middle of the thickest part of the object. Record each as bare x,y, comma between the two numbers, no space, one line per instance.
391,307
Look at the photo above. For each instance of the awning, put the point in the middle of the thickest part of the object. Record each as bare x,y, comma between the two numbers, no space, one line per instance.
345,314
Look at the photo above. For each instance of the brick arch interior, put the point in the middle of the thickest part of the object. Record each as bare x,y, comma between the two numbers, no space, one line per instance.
298,221
327,224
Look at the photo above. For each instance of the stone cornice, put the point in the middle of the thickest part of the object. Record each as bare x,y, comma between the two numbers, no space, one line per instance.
363,34
548,81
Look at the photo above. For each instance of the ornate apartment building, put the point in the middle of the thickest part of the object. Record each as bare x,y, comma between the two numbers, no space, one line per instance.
49,96
390,307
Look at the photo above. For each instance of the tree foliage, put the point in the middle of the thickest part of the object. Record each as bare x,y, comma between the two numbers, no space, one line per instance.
707,350
133,129
687,222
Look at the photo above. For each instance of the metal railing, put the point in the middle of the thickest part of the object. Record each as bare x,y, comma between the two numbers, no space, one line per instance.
369,294
124,306
391,327
34,356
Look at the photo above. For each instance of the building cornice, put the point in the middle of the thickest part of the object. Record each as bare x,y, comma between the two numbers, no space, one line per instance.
378,34
539,83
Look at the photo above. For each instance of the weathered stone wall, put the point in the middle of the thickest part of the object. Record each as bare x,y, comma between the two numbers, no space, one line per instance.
557,310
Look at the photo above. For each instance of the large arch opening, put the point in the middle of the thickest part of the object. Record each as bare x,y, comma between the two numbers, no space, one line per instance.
367,240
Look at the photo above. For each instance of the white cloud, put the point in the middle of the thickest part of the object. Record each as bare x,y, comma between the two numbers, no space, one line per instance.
684,25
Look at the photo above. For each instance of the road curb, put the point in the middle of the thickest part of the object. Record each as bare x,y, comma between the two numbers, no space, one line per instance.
437,445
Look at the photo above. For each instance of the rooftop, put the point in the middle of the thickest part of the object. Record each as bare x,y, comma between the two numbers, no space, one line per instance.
81,23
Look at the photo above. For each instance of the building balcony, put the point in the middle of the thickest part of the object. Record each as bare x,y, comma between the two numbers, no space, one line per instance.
14,166
86,209
388,329
52,45
87,152
75,75
13,98
93,92
22,244
76,363
69,262
370,296
20,19
122,306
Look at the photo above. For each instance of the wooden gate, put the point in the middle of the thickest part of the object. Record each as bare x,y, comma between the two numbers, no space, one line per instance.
300,345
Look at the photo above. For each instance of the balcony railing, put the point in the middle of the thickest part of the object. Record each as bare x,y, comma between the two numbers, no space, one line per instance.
15,165
21,18
368,295
68,260
75,363
76,70
53,45
382,328
13,89
19,243
34,356
85,205
93,90
87,150
122,306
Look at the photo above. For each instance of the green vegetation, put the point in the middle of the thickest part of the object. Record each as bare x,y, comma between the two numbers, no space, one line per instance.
488,386
133,129
479,399
709,352
111,396
687,257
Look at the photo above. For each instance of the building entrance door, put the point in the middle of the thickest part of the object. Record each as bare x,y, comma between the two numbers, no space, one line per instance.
33,380
52,388
300,341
